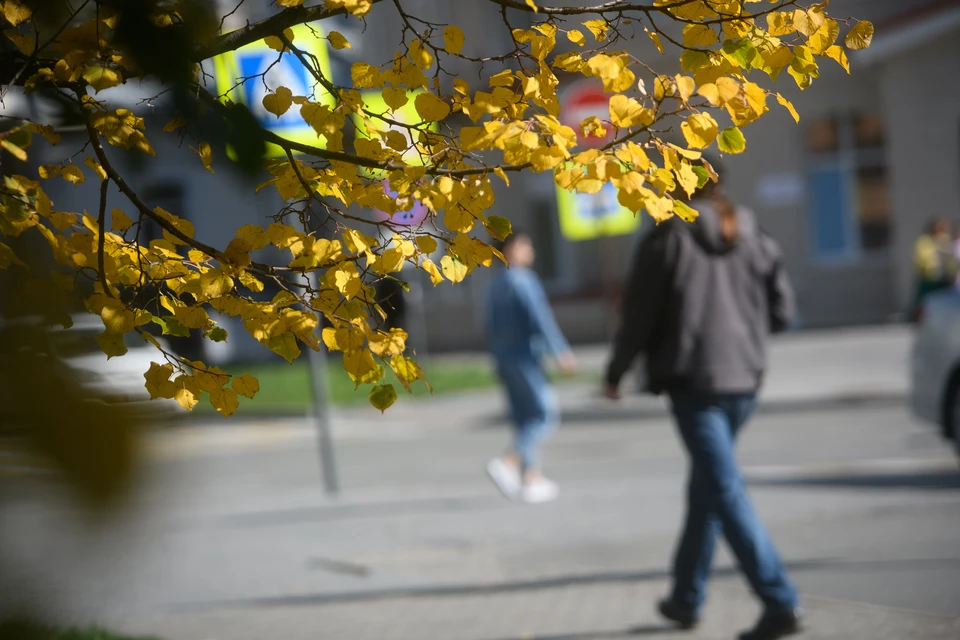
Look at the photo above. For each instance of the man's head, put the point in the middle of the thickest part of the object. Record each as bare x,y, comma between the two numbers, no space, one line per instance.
518,250
939,227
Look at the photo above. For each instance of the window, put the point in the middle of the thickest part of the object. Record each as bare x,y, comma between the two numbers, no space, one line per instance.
850,212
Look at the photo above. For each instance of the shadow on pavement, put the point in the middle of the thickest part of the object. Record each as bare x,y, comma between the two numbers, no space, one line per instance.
628,413
537,584
633,632
936,480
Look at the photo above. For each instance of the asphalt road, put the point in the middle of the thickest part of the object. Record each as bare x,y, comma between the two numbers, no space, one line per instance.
863,502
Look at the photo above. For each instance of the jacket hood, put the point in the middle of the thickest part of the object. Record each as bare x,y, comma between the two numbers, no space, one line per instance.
706,229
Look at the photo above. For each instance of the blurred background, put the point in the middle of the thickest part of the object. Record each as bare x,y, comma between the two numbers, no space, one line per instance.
224,529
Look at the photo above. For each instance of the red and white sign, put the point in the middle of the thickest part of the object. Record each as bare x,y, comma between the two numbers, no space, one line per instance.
580,100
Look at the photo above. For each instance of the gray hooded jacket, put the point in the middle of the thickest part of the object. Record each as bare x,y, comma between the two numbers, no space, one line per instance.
700,309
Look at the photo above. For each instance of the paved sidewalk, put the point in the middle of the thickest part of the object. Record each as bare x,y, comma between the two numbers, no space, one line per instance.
808,369
615,606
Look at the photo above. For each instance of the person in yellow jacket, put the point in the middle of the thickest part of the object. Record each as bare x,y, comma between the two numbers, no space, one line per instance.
934,261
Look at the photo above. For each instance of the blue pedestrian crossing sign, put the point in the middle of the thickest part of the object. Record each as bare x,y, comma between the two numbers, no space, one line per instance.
256,70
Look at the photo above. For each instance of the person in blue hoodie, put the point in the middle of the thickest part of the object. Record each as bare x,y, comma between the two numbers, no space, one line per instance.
521,331
701,301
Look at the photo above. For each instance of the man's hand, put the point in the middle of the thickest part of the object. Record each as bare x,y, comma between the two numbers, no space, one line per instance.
611,392
567,363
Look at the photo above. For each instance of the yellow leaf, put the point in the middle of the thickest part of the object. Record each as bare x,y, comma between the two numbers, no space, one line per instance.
598,28
687,178
361,367
15,13
700,130
431,108
16,151
837,53
185,398
685,87
93,164
347,280
655,37
699,35
406,369
215,284
388,343
62,221
365,76
158,380
111,344
276,103
711,93
453,39
684,211
225,400
731,140
780,23
426,244
728,88
72,173
276,43
789,106
246,385
119,221
192,317
824,37
627,112
532,5
576,37
454,270
395,97
860,36
337,41
756,97
101,78
434,273
206,153
292,3
48,171
383,396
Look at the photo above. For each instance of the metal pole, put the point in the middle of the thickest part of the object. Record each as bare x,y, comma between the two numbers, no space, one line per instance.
321,413
417,320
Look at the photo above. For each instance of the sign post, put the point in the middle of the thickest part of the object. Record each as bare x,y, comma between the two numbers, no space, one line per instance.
590,216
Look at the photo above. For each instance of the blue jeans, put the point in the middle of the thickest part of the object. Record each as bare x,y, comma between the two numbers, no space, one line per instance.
717,501
533,406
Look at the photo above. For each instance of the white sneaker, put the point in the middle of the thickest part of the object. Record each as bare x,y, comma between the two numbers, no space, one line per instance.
505,477
540,491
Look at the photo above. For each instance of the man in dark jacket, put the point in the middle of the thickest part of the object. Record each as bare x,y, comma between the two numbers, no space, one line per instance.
701,301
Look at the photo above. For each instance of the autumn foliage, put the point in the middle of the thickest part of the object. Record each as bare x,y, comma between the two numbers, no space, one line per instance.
464,138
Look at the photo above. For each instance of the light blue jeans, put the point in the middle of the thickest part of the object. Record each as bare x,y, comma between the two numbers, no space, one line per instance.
533,406
717,502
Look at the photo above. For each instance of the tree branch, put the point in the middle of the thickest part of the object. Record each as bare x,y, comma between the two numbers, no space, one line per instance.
271,26
101,239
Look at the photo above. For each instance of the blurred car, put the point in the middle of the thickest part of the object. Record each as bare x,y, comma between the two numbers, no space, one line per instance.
79,366
935,364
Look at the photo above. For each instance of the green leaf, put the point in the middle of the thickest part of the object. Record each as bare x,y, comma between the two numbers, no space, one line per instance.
383,396
217,334
732,141
693,60
499,227
173,327
702,176
741,52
